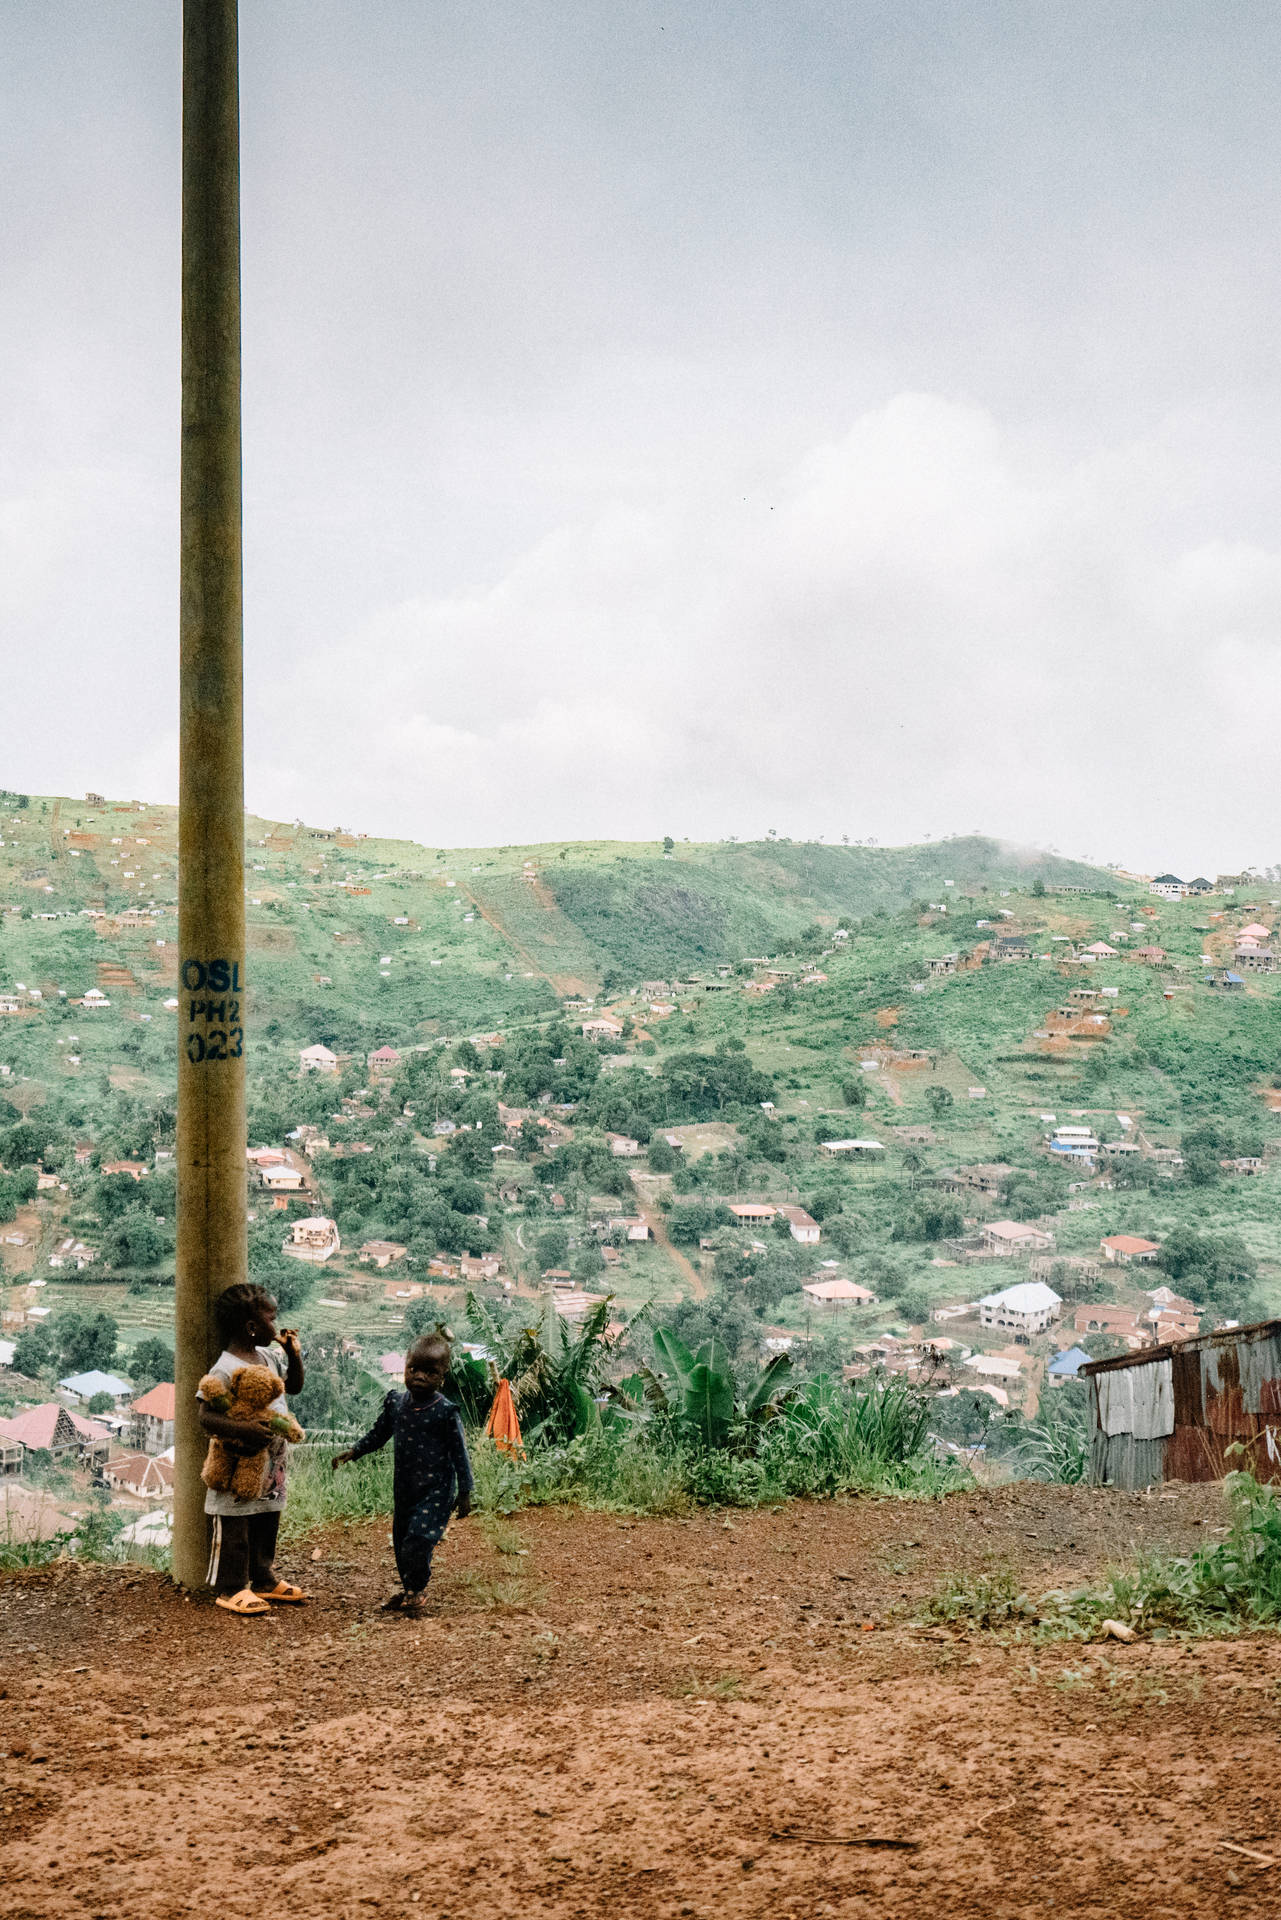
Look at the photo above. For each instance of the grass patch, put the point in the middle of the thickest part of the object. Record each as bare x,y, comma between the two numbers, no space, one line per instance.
1230,1587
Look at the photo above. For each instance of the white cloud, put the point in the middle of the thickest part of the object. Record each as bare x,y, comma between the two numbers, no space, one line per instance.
910,631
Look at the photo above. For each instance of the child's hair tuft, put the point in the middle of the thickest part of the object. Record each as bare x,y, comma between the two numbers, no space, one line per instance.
426,1343
236,1306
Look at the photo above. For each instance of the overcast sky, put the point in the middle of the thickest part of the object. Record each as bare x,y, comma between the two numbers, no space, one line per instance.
663,417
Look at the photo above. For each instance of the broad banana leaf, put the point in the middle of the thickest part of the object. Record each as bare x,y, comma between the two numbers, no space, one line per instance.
674,1355
768,1385
708,1404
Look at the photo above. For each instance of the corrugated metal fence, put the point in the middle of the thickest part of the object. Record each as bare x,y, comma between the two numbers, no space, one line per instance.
1170,1413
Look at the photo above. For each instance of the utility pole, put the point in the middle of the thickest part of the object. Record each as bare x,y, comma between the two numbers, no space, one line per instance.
212,1249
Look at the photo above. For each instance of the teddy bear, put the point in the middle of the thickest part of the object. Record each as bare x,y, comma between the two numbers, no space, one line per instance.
249,1396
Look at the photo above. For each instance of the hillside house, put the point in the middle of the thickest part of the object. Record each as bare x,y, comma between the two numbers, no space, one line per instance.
1167,886
1253,957
144,1475
1076,1143
384,1060
84,1387
802,1226
985,1177
381,1253
995,1366
282,1179
95,1000
1024,1310
152,1418
317,1059
945,963
136,1169
1151,956
849,1149
1167,1297
315,1239
1066,1365
753,1213
834,1296
622,1146
1010,946
1167,1325
1111,1318
480,1266
1083,1269
1127,1249
58,1431
1007,1238
601,1027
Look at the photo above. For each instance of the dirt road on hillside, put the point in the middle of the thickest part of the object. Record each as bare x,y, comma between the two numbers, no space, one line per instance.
604,1717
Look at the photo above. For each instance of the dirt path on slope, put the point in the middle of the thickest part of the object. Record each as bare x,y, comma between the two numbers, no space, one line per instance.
567,985
605,1717
657,1225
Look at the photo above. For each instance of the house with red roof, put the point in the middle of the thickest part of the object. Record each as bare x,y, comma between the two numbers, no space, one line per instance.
1123,1248
56,1430
141,1474
152,1416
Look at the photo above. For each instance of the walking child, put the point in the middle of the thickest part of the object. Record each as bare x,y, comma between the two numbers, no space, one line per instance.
432,1475
242,1561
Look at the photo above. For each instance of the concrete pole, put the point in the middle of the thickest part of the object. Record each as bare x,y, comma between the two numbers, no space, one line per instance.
212,1251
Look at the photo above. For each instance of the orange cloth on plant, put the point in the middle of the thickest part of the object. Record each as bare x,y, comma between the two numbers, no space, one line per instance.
502,1425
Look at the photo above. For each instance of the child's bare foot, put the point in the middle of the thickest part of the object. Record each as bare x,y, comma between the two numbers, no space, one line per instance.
393,1603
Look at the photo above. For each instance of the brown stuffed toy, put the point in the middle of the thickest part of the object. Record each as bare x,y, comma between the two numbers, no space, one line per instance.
251,1393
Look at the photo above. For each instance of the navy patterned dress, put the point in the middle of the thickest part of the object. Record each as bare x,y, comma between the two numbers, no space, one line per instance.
431,1472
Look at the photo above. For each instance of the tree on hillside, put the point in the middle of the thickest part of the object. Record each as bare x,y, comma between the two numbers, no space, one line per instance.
84,1340
34,1351
1217,1270
854,1093
938,1100
150,1361
135,1241
25,1096
552,1247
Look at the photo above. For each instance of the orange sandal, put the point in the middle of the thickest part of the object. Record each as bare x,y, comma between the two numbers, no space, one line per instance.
285,1593
245,1602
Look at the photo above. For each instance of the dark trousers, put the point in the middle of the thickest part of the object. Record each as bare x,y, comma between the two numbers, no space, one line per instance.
243,1551
413,1553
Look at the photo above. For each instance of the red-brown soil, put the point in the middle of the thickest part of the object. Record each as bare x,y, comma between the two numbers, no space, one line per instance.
657,1718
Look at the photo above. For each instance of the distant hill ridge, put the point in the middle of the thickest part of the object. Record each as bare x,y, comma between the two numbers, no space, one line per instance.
573,913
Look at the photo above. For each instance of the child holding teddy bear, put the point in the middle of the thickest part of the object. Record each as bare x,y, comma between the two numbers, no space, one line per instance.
246,1519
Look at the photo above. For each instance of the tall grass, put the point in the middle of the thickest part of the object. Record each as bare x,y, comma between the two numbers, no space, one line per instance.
318,1496
830,1440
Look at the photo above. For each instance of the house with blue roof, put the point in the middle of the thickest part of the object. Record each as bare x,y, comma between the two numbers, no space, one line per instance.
1067,1365
83,1386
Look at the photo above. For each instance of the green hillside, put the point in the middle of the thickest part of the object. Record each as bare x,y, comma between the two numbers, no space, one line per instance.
798,1004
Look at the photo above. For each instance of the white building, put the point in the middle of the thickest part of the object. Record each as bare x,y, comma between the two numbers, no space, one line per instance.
1024,1310
318,1059
315,1240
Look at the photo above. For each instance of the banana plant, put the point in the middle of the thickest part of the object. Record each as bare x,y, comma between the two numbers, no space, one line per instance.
700,1394
555,1376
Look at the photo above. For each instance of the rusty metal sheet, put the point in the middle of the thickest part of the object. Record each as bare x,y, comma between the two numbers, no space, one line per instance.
1221,1390
1137,1400
1185,1368
1260,1362
1190,1411
1119,1460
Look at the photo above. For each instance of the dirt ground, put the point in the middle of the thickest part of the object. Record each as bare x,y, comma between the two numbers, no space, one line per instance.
725,1716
